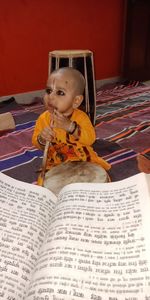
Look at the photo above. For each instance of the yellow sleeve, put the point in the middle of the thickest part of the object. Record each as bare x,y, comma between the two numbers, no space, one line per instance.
42,122
87,134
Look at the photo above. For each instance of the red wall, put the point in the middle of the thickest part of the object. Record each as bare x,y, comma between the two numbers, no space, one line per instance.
29,29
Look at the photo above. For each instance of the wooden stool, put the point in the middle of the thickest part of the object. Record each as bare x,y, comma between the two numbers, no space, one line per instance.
82,60
143,163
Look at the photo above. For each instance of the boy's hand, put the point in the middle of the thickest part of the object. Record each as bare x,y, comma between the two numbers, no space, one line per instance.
47,134
61,121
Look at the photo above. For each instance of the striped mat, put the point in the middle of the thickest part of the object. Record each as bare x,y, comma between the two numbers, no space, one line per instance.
122,128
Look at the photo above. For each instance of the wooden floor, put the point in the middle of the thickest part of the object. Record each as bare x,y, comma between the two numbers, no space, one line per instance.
147,82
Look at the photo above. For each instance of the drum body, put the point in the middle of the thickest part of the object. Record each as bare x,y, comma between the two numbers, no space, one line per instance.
73,172
82,60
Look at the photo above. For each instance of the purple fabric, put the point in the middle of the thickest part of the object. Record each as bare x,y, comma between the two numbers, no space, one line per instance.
126,120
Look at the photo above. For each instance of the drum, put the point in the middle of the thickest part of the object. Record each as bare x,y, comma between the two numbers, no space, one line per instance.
71,172
82,60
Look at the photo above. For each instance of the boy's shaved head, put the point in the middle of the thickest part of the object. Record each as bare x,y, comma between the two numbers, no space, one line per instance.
73,75
65,88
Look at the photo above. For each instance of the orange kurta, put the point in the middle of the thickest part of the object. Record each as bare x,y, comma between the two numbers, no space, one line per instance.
65,147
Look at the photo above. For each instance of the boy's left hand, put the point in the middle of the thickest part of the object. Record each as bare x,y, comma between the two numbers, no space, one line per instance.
60,121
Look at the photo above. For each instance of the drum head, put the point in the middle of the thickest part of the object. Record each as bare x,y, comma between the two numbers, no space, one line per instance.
71,172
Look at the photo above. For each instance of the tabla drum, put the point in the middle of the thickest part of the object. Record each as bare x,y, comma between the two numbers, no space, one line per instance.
73,172
82,60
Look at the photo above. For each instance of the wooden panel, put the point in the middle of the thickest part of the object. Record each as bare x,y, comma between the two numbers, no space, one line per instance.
136,62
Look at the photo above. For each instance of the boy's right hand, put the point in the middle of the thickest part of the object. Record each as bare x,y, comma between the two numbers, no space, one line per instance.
47,134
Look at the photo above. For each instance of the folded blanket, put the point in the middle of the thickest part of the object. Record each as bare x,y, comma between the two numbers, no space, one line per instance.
6,121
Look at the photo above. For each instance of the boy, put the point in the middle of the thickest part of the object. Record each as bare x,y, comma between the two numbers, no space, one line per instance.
68,129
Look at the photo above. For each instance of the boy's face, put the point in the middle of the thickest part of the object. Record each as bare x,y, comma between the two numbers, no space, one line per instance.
60,93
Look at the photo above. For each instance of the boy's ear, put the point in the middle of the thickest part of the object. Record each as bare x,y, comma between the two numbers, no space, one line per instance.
77,101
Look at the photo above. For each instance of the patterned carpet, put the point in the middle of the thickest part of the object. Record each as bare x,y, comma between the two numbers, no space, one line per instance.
123,116
122,128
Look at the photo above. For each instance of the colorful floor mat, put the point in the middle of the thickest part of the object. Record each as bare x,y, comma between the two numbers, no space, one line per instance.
122,127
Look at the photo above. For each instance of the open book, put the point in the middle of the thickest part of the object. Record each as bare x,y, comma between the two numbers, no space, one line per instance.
92,242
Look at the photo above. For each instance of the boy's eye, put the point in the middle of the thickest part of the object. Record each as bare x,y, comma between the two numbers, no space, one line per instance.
60,93
48,91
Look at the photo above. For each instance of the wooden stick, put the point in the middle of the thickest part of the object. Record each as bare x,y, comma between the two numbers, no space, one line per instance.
42,174
41,177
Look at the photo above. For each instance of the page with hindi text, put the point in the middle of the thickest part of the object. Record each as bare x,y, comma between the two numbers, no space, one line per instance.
98,244
25,211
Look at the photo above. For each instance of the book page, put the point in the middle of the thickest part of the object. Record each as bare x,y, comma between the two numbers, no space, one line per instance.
148,181
25,211
98,244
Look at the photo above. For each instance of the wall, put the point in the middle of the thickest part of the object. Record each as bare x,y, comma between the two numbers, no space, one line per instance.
29,29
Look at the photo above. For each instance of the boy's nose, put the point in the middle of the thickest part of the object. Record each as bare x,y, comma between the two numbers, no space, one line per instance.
52,96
